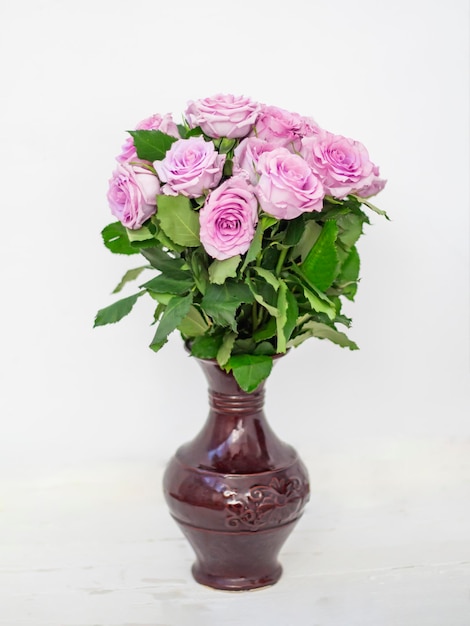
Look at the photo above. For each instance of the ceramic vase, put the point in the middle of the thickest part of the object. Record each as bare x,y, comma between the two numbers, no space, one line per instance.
236,490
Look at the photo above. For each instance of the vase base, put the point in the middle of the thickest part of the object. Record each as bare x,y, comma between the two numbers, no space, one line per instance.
235,584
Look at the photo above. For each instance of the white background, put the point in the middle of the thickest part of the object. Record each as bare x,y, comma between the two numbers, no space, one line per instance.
385,427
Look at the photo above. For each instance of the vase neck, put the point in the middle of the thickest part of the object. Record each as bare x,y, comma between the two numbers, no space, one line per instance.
236,436
236,404
227,398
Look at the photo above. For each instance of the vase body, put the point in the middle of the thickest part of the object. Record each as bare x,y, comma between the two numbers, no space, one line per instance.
236,490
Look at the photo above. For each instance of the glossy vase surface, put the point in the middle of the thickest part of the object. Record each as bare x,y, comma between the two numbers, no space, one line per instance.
236,490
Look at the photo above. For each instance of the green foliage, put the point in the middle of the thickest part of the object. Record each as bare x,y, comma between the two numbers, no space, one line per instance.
221,302
177,283
250,370
206,346
128,276
194,324
116,311
178,220
175,312
349,274
321,263
219,271
225,350
289,286
323,331
161,260
151,145
115,238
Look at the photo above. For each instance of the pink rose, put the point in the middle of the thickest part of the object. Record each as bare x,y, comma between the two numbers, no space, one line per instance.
281,127
228,219
287,186
309,127
132,194
373,188
190,167
246,156
223,115
342,164
154,122
164,123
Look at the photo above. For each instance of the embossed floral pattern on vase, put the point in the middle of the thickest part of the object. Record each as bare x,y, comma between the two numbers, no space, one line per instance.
267,505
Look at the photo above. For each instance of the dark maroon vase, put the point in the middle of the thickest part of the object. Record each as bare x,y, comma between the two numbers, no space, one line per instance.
236,490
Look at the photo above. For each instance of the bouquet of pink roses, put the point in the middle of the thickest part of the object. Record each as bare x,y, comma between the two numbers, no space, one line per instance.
249,215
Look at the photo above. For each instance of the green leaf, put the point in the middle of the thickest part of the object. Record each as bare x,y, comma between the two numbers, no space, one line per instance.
167,242
161,298
115,239
186,132
250,370
183,130
267,331
264,294
193,325
198,261
349,274
151,145
162,261
178,220
270,257
225,349
318,304
268,276
321,264
267,221
178,283
294,231
311,233
221,302
116,311
323,331
318,301
371,206
255,246
130,275
139,234
206,346
243,346
292,314
219,271
176,310
350,229
158,312
265,348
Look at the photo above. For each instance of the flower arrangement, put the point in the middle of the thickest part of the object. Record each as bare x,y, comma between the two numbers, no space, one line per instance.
250,215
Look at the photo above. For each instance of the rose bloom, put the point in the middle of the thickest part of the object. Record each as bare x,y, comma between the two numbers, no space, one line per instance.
309,127
282,127
342,164
228,219
223,115
132,194
190,167
374,187
246,156
154,122
287,186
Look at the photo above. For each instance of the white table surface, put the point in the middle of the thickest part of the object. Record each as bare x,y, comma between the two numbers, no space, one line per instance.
385,541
